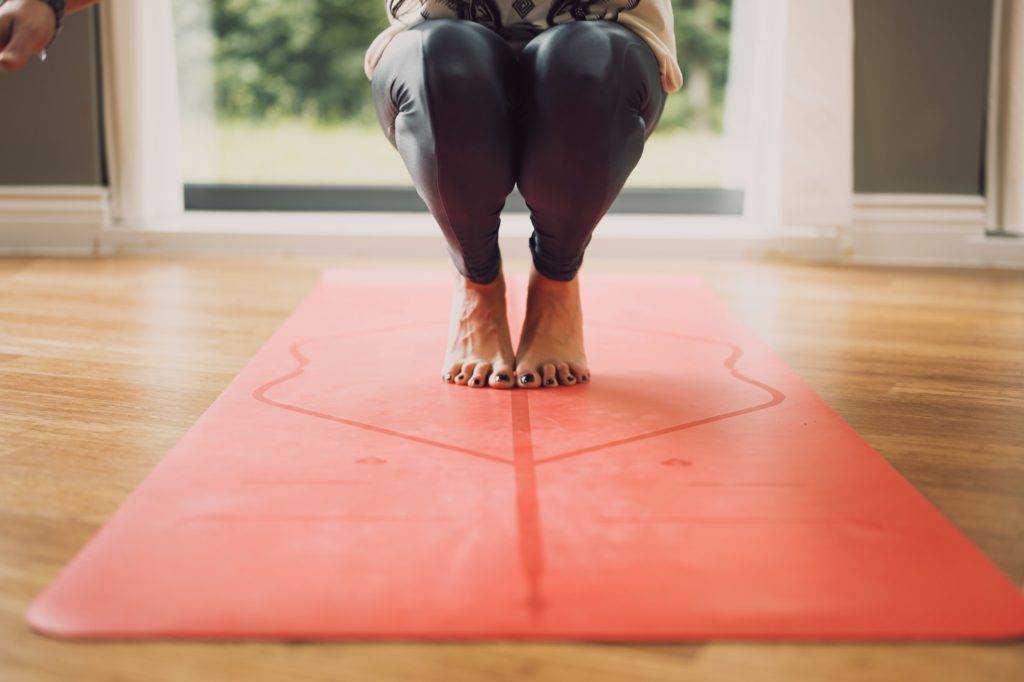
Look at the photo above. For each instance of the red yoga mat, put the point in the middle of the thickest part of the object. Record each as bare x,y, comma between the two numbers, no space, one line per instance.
696,489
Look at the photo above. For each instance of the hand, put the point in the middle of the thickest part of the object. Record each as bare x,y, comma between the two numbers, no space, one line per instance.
26,28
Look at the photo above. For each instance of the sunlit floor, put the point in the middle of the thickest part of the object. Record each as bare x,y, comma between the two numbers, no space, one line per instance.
105,363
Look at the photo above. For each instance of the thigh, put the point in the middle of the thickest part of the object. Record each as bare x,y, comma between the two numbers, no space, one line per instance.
587,67
443,95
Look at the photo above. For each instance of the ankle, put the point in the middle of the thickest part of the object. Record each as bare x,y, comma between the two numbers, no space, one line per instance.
495,287
539,282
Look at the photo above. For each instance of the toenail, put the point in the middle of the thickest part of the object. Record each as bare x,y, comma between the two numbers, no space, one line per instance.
549,382
460,377
526,378
448,376
502,377
475,382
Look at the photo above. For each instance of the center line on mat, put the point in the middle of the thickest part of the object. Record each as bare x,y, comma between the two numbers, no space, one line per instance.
531,552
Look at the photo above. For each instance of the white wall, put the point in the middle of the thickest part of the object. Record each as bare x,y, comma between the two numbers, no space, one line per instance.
1012,209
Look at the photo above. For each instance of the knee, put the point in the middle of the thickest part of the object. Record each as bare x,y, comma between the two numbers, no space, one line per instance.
592,64
573,59
462,56
446,67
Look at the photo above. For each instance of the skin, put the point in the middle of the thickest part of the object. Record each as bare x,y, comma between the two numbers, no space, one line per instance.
26,28
479,343
550,352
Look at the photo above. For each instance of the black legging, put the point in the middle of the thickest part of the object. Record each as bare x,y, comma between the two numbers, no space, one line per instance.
565,117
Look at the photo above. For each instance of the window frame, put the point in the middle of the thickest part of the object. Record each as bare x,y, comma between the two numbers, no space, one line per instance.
393,198
143,133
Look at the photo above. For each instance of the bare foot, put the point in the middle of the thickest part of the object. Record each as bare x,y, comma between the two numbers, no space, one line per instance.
551,345
479,344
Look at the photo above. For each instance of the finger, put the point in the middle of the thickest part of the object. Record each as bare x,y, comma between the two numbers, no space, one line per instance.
12,61
14,56
6,20
25,42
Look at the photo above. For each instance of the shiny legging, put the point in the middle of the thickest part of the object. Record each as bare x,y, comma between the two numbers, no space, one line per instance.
473,114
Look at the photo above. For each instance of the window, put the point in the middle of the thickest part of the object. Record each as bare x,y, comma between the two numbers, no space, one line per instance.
276,111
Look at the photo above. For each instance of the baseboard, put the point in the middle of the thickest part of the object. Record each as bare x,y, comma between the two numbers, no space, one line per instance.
52,220
926,230
806,244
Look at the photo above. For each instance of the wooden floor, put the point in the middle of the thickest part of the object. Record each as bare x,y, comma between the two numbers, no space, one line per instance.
104,364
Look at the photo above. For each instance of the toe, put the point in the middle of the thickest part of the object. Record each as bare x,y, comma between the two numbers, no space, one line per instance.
449,374
527,377
581,372
502,377
463,376
480,374
547,375
565,375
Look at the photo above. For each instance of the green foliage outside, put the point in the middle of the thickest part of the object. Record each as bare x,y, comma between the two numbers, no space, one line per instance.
702,41
286,59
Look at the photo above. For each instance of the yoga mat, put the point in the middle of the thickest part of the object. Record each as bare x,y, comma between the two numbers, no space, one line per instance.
696,489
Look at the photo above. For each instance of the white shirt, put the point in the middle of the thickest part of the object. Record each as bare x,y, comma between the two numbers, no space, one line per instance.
649,19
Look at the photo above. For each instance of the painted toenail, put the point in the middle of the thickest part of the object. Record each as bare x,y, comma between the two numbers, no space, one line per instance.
550,382
526,378
475,382
460,377
448,376
502,377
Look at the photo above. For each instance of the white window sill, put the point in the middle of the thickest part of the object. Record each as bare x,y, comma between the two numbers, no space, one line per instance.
416,234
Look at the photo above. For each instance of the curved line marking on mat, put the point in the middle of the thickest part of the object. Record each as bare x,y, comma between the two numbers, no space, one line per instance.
295,349
531,548
729,363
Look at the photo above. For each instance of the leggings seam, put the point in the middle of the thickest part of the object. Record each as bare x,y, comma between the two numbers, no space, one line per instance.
455,235
620,96
433,139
